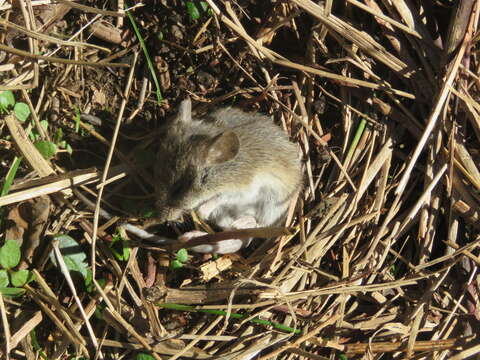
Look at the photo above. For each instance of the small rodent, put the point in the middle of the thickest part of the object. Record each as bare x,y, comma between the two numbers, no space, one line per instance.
235,169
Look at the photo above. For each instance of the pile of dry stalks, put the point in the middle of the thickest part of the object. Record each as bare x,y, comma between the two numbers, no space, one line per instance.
380,254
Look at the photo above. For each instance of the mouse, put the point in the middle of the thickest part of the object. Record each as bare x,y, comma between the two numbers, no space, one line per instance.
236,170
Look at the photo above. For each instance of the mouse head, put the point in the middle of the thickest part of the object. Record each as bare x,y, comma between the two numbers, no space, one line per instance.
189,157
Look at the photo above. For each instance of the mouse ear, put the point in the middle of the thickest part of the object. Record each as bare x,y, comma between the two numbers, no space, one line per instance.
184,112
222,147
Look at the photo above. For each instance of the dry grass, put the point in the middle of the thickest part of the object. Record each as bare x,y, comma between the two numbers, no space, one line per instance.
381,251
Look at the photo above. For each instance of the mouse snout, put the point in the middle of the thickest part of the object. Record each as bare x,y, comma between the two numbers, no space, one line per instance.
169,214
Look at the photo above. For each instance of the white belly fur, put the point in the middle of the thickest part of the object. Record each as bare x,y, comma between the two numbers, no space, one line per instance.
258,200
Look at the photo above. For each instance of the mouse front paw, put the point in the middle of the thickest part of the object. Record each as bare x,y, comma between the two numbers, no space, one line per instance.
191,235
222,247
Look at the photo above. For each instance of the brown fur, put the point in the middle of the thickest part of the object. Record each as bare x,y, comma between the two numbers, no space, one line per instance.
225,151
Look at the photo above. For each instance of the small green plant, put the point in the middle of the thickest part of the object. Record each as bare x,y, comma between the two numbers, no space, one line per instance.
47,148
180,259
11,281
394,270
36,346
60,141
7,183
256,320
77,119
147,55
75,259
196,8
34,135
144,356
73,255
7,102
22,112
119,247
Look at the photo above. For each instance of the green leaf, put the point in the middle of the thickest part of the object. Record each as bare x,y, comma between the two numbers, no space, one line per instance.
126,251
33,336
144,356
205,7
77,120
99,310
21,111
8,291
255,320
9,254
69,149
4,282
31,277
393,270
89,285
58,137
36,345
89,278
192,10
33,135
73,255
116,238
6,100
147,56
44,124
10,176
46,148
117,254
120,248
21,277
182,255
175,265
